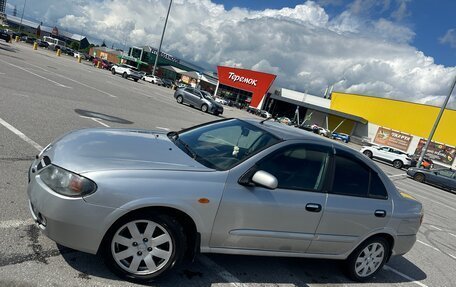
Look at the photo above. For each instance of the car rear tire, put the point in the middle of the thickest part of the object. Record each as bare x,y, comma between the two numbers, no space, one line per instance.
204,108
124,75
419,177
135,80
142,247
367,259
180,100
367,153
398,164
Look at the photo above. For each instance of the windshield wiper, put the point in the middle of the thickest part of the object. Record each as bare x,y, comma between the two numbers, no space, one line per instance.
174,136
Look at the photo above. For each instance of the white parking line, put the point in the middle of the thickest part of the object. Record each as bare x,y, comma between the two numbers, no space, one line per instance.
396,175
21,135
15,223
404,276
430,246
96,120
39,76
452,234
222,272
435,227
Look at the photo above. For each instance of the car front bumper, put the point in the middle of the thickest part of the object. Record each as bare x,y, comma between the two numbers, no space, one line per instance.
71,222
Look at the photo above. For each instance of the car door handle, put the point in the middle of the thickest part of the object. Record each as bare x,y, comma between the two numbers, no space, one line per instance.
380,213
313,207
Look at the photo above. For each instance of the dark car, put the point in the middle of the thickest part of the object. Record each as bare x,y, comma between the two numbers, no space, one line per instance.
42,43
167,83
103,63
30,40
444,177
5,36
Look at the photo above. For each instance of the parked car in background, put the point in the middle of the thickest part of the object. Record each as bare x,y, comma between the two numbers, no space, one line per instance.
42,43
198,99
306,128
5,36
444,177
79,55
152,79
167,83
104,64
340,136
28,39
284,120
265,114
320,130
145,200
127,72
398,158
66,50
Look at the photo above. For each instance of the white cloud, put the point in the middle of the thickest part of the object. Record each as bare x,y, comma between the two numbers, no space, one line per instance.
449,38
306,48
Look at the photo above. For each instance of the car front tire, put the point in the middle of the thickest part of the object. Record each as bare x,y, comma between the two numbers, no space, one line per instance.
113,71
419,177
398,164
204,108
124,75
180,100
367,259
140,248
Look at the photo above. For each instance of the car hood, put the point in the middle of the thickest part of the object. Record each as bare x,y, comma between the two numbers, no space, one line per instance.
114,149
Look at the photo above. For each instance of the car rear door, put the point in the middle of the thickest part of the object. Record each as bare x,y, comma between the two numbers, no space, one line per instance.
283,219
357,204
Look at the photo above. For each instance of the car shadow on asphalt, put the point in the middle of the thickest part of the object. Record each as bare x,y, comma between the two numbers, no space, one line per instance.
211,269
8,47
101,116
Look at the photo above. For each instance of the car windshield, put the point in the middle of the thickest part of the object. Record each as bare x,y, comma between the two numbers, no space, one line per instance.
223,144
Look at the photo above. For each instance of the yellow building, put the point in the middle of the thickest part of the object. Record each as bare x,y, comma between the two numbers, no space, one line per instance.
413,119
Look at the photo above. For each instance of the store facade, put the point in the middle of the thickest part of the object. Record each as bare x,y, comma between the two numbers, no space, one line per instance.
243,87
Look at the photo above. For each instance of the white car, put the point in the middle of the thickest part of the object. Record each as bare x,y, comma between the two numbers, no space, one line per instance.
398,158
153,79
126,71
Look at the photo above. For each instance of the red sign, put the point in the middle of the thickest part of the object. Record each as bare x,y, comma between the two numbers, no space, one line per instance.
257,83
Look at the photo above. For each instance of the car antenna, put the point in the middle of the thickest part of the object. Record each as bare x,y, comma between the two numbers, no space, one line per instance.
267,119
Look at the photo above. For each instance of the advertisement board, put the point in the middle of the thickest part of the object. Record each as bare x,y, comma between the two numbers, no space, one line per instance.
437,151
395,139
257,83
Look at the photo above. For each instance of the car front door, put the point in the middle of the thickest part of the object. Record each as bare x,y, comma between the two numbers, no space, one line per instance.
284,219
357,204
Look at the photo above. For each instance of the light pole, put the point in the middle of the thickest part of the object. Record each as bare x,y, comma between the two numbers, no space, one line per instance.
22,17
161,40
431,135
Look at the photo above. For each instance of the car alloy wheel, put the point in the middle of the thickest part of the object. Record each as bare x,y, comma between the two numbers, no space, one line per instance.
397,164
141,248
367,153
368,259
419,177
180,100
204,108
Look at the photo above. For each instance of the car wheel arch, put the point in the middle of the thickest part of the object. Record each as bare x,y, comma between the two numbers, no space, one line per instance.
188,222
388,236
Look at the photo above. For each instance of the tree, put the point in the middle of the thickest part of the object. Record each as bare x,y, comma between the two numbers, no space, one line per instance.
103,44
74,45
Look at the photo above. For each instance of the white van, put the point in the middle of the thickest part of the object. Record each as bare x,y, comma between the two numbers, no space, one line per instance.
54,44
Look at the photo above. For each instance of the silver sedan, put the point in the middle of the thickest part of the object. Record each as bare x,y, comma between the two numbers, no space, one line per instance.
144,200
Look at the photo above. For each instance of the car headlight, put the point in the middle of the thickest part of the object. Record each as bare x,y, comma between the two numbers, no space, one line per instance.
67,183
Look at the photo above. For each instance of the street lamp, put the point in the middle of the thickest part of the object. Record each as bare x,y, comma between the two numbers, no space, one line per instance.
431,135
22,17
161,40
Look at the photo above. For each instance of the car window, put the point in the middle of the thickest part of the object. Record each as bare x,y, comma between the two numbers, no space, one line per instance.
223,144
301,167
376,187
350,177
445,173
384,149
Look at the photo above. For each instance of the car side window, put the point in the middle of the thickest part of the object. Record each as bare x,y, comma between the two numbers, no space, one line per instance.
301,167
446,173
350,177
354,178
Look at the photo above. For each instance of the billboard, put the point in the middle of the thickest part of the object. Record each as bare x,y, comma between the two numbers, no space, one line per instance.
395,139
257,83
437,151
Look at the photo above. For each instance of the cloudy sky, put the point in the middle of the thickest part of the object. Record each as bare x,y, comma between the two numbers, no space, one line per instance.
402,49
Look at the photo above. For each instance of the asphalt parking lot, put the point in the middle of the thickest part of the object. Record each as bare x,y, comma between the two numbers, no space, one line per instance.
43,96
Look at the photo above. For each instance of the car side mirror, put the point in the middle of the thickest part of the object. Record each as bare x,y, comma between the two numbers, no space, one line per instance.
265,179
